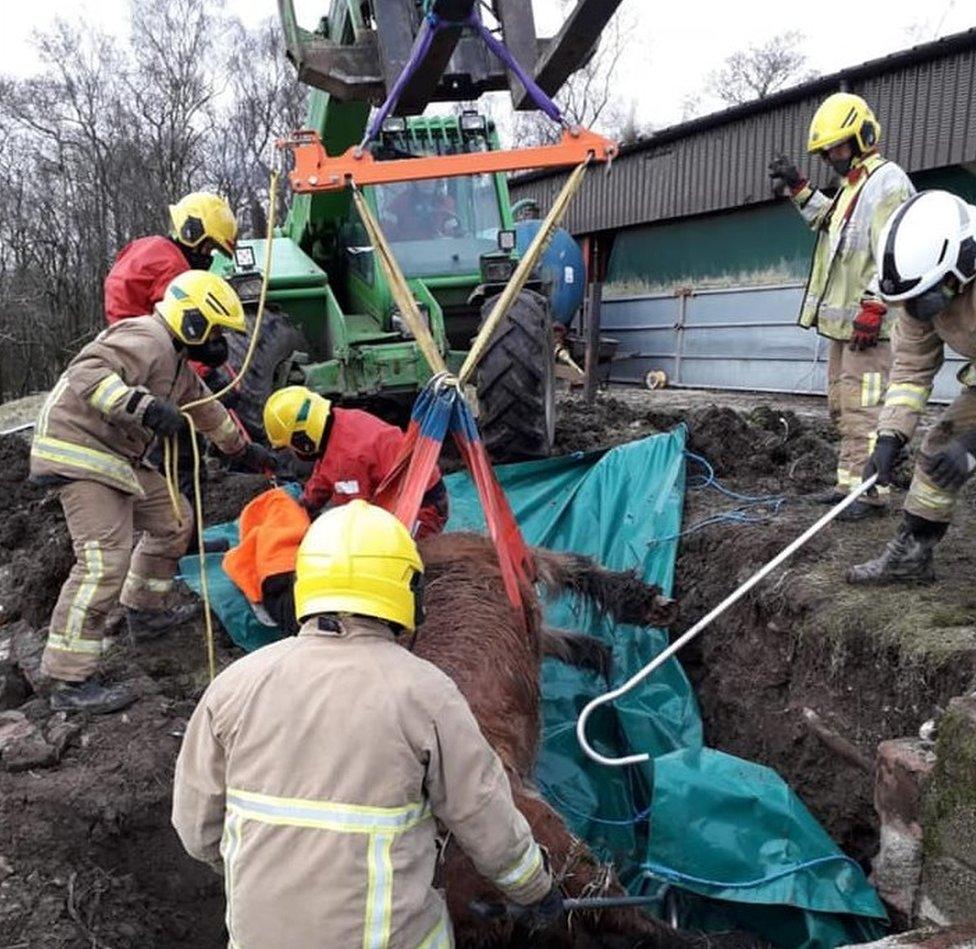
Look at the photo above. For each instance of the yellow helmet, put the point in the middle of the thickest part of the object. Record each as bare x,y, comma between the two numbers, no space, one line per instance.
840,117
201,216
359,559
195,302
296,417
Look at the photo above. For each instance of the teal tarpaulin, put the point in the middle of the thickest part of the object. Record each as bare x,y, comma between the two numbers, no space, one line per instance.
739,846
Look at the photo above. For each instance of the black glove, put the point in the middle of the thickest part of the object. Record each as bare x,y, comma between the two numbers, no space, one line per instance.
952,467
781,169
257,458
882,461
541,915
163,418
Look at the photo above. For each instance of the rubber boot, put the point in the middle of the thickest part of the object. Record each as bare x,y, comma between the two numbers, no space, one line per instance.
146,625
831,497
861,511
91,696
906,559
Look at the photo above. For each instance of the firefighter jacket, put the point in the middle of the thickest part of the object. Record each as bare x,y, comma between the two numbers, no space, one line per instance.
360,450
313,771
919,350
140,275
847,228
89,427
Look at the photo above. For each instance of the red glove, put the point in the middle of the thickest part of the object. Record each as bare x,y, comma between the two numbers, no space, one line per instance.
867,325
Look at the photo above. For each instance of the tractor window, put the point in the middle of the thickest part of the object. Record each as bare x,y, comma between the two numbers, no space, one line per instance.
440,227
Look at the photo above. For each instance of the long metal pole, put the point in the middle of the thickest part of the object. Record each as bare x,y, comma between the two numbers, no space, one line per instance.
731,599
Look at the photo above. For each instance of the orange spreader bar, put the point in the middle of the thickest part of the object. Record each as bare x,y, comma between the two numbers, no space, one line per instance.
314,170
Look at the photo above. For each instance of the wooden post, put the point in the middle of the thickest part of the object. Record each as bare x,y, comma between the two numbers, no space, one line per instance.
592,352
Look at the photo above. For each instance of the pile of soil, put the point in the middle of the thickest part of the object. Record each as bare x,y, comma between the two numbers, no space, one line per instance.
772,447
35,549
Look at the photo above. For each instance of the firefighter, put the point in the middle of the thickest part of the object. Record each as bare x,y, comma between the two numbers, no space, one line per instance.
203,224
121,391
926,261
352,451
313,770
838,301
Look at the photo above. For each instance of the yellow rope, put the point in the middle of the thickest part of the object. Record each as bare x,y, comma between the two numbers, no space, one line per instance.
522,273
399,288
171,455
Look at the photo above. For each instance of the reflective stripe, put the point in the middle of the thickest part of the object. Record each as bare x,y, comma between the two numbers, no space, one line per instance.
870,389
907,394
380,824
49,402
379,899
94,574
438,937
326,815
88,459
226,434
843,477
152,584
518,875
88,647
108,392
230,846
934,498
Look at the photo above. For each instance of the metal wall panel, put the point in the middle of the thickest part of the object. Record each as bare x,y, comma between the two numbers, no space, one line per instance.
729,339
927,110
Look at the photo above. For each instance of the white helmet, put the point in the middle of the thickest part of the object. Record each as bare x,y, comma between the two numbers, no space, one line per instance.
927,252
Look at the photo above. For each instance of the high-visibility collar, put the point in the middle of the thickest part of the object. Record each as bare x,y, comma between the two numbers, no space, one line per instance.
862,165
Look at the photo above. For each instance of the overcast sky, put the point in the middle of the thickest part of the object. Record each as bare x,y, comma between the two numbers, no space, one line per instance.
672,49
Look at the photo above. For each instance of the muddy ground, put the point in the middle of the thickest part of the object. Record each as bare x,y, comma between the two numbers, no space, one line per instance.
86,855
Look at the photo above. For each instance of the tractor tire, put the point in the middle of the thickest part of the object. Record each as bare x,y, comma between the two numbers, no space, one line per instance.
516,381
269,367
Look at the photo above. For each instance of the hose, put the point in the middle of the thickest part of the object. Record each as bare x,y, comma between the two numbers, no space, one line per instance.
170,454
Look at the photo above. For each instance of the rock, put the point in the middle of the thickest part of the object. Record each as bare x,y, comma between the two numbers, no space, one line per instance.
31,751
6,868
904,765
13,727
13,688
36,709
28,645
949,820
61,732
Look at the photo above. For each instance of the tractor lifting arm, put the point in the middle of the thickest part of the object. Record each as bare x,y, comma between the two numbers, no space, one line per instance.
360,50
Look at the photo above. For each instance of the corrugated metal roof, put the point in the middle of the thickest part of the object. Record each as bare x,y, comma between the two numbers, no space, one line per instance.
925,98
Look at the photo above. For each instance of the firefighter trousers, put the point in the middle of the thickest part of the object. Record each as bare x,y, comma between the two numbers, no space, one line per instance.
925,498
856,384
103,523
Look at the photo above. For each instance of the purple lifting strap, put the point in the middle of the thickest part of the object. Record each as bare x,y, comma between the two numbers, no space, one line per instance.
421,47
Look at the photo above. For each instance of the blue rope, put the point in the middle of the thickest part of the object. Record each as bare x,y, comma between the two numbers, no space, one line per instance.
592,818
752,509
675,876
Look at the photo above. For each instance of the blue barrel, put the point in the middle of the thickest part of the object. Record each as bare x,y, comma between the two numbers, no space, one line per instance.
561,267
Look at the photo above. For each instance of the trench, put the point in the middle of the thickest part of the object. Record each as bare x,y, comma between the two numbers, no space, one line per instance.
88,858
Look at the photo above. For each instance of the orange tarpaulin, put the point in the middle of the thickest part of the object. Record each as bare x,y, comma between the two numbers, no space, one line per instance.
271,528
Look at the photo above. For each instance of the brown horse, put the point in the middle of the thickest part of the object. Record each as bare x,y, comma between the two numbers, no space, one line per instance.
474,634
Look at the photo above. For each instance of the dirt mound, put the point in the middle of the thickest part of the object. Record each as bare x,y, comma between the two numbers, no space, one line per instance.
776,447
88,856
35,549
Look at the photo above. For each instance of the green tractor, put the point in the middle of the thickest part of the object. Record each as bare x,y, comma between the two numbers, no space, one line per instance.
331,321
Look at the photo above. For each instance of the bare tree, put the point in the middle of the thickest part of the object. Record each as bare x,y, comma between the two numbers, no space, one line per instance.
95,147
761,70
